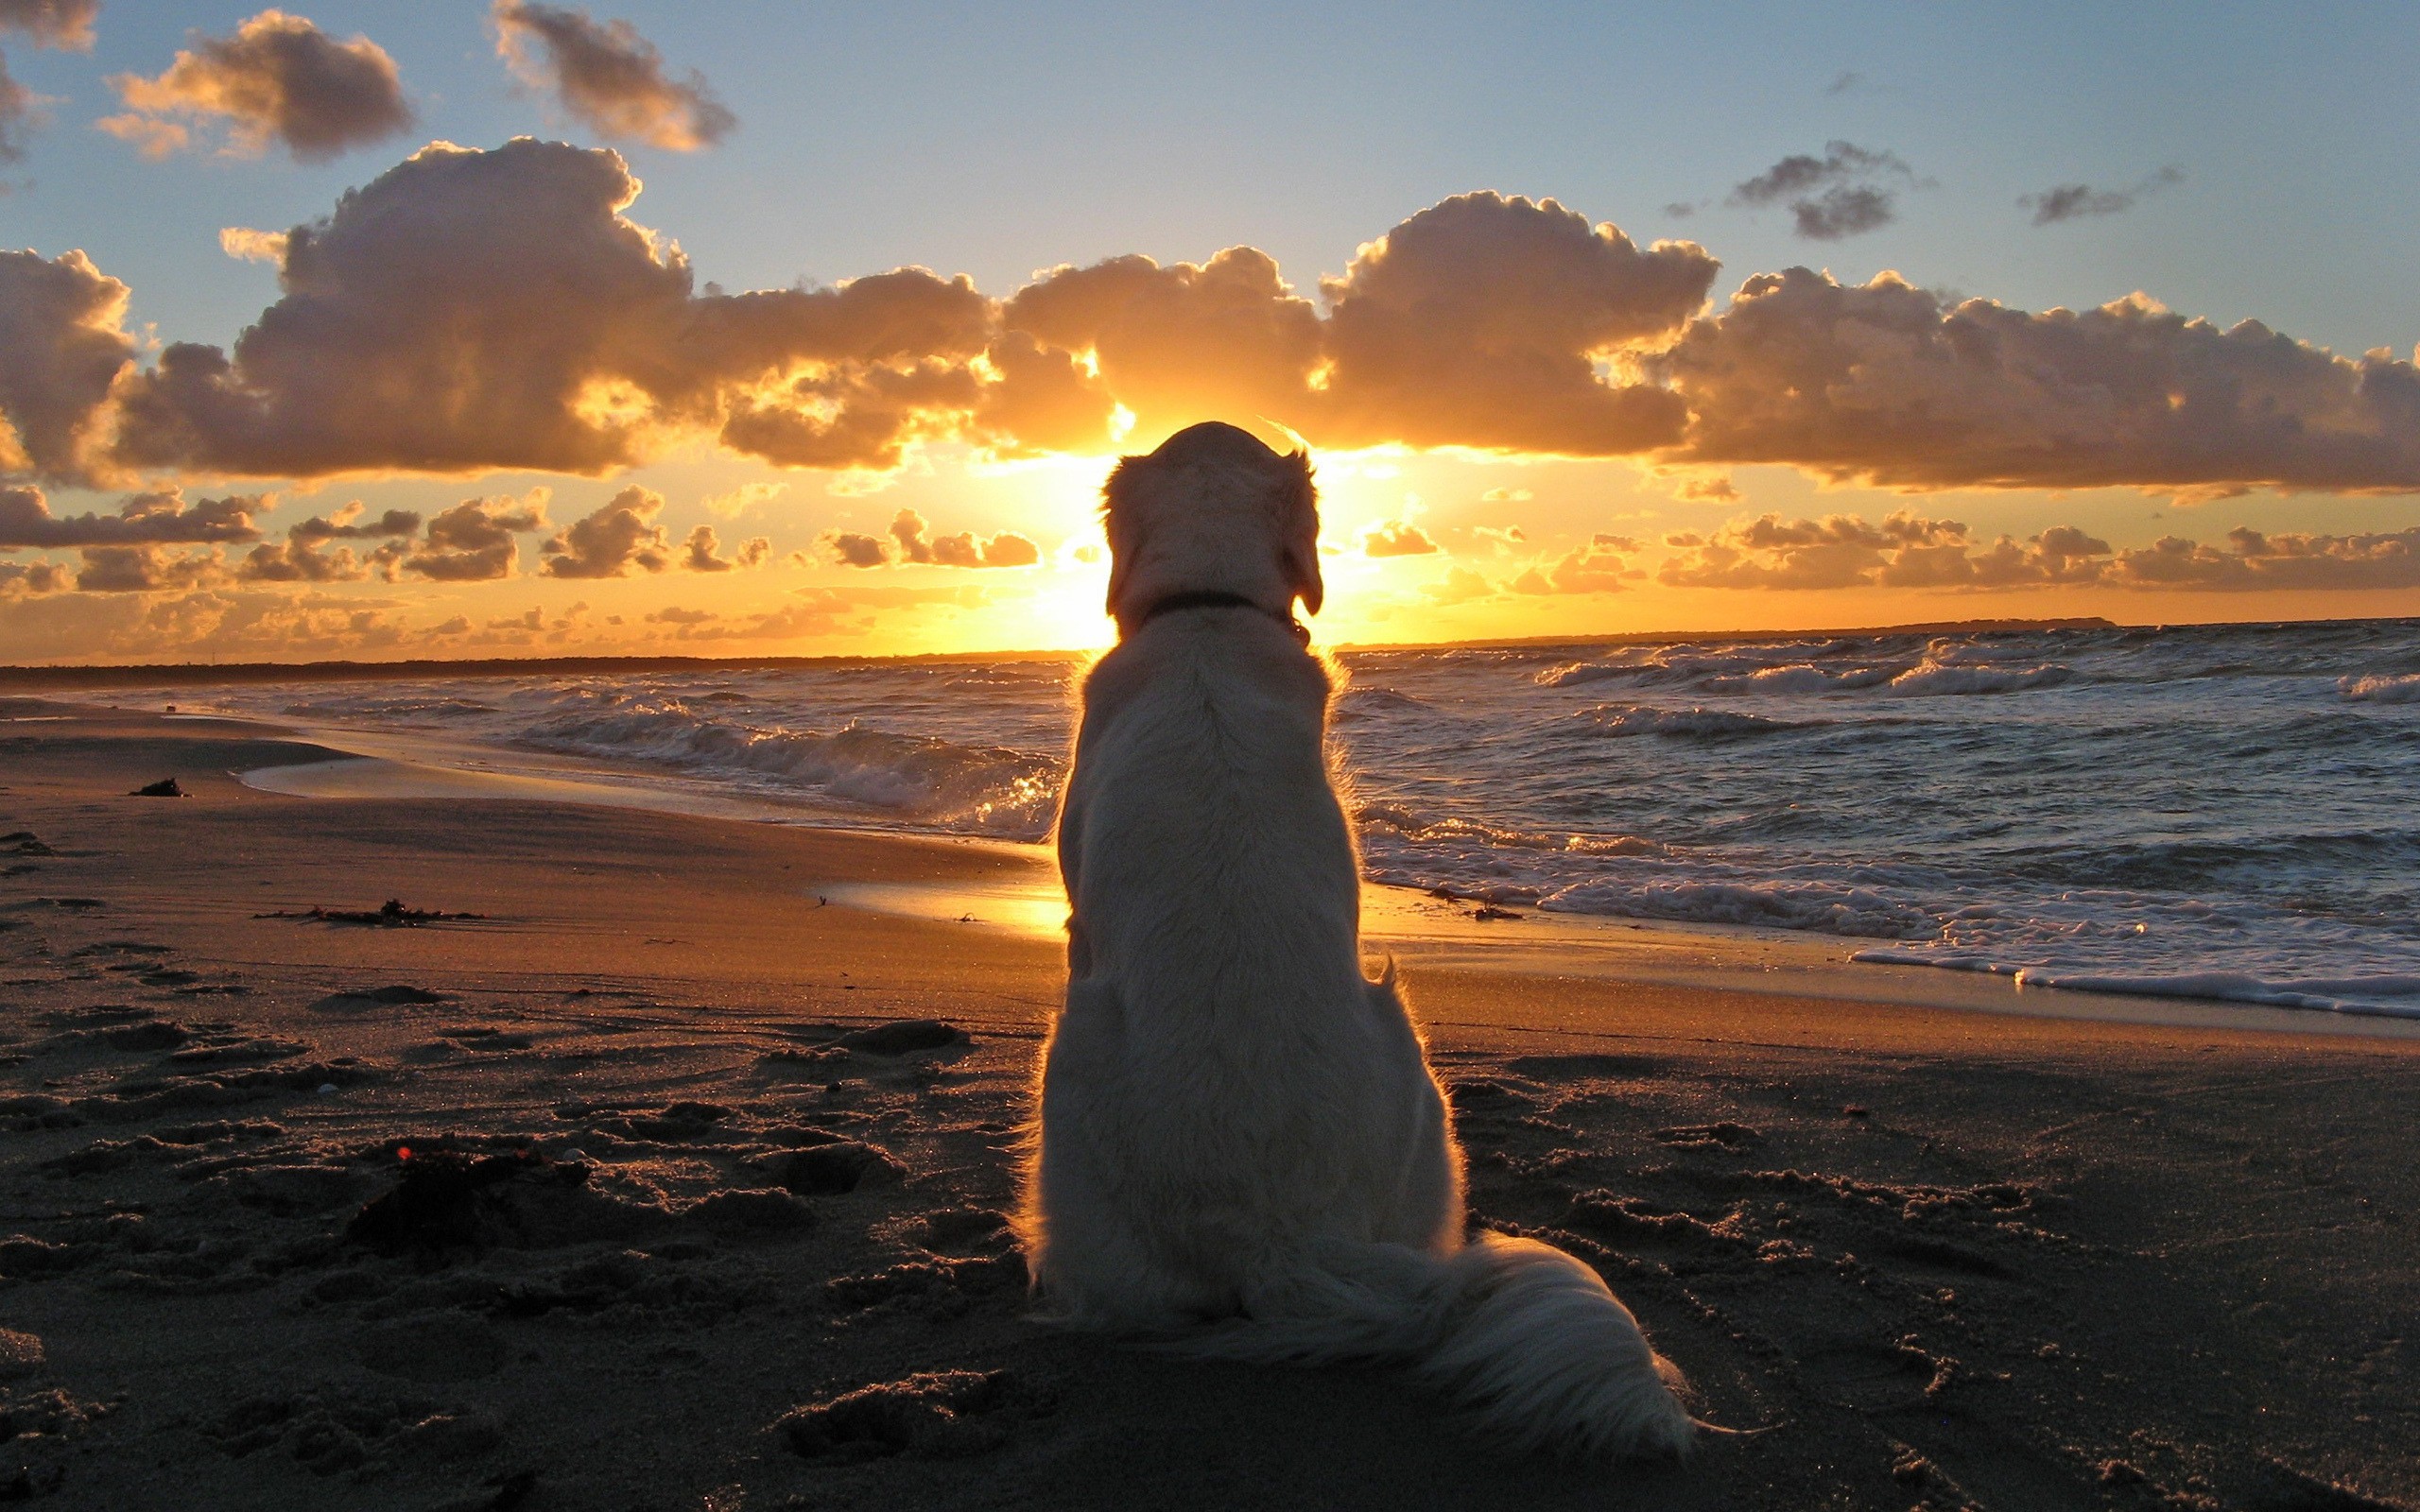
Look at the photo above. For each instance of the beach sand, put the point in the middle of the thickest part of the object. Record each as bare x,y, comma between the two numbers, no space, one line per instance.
676,1230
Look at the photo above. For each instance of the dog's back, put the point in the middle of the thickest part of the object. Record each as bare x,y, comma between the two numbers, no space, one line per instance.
1241,1147
1241,1094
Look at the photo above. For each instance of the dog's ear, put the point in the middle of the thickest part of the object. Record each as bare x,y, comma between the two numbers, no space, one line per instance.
1121,478
1301,553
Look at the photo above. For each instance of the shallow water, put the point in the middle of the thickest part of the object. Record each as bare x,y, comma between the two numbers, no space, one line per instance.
2215,812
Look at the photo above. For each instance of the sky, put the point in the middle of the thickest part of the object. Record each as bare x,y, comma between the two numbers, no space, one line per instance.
471,330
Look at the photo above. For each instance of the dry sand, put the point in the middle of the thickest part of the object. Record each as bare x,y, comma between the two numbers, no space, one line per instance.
658,1200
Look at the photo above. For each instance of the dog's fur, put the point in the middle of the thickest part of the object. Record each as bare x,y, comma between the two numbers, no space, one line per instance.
1242,1152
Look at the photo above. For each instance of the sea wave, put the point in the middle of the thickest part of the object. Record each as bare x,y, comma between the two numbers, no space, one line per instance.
1933,678
1822,907
921,778
1620,719
1407,826
2380,687
2380,995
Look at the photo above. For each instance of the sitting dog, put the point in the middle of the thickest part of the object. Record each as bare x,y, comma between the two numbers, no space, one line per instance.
1243,1151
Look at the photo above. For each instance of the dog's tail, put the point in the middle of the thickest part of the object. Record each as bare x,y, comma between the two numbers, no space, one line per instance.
1527,1337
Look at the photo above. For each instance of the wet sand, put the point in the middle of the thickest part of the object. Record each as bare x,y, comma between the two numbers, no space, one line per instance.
690,1221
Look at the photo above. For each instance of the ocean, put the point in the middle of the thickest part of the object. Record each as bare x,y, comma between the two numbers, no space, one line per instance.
2227,811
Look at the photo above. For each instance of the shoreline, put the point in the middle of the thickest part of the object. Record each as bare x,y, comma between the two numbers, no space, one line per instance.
1408,921
752,1153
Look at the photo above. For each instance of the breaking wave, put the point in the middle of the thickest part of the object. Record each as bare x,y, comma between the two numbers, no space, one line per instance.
2381,687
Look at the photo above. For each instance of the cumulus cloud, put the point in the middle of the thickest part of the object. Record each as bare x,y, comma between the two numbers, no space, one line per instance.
619,535
1890,385
1480,321
677,615
1601,566
305,555
2252,560
2078,201
964,549
910,542
1397,537
1838,551
147,568
477,541
608,77
1908,550
468,311
278,79
471,311
700,552
850,549
161,517
63,344
1847,191
353,523
52,23
33,579
1172,344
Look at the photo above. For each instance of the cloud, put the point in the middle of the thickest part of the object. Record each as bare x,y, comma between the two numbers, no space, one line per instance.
1480,320
63,344
682,617
2076,201
617,536
908,542
2253,560
352,523
162,517
964,549
473,311
32,579
20,114
699,553
245,244
849,549
1846,192
467,311
1601,566
1397,537
279,78
608,77
1174,344
1838,551
146,570
1886,383
1907,550
741,500
475,540
66,24
297,560
1460,585
1703,487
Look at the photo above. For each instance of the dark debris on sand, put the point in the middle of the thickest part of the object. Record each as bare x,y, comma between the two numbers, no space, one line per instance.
392,914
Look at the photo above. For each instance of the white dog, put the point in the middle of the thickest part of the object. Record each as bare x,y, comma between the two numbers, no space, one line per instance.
1242,1150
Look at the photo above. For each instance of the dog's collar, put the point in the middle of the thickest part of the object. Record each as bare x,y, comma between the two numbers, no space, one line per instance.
1219,599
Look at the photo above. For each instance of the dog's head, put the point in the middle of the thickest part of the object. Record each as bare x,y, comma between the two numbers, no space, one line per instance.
1213,511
